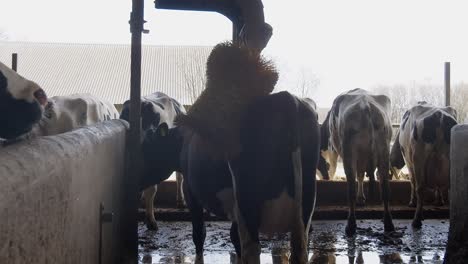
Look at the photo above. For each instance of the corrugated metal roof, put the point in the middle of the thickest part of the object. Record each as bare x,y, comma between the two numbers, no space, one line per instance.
104,69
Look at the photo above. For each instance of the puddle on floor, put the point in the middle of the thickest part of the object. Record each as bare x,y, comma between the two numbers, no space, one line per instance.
328,243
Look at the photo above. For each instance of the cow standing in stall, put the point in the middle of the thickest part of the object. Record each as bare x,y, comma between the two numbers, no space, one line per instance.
274,174
21,103
360,132
156,108
423,143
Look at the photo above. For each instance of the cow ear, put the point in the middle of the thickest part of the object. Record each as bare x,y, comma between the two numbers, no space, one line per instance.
162,130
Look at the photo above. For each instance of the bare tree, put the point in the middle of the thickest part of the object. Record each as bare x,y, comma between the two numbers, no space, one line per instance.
459,100
405,96
399,97
193,71
307,83
431,93
297,80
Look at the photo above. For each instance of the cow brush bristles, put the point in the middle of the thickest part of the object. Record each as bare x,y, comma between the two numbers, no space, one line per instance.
236,76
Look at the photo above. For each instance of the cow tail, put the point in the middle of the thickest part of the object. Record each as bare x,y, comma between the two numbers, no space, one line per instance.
366,120
296,157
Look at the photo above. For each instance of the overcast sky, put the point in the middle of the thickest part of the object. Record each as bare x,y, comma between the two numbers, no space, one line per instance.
344,44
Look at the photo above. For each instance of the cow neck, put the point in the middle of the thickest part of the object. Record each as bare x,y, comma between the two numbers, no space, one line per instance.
176,135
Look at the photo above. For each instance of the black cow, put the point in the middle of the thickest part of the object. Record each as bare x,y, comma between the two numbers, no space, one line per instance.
21,103
274,174
156,108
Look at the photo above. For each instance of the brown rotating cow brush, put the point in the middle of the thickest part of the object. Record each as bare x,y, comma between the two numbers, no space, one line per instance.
235,77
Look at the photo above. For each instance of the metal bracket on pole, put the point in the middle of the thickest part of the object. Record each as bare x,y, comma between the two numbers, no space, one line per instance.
137,24
14,61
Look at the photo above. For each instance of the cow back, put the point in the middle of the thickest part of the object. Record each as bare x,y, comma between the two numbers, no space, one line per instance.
427,124
65,113
360,112
156,108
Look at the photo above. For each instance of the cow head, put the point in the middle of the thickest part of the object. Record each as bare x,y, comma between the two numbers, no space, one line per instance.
150,114
21,103
161,148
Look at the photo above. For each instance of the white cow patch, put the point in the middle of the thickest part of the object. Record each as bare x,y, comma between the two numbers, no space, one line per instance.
278,215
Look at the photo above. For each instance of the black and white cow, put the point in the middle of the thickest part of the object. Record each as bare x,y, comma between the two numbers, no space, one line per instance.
156,108
360,132
21,103
424,144
274,175
68,112
330,155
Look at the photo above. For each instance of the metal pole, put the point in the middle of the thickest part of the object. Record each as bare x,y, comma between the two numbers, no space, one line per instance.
14,61
447,83
130,239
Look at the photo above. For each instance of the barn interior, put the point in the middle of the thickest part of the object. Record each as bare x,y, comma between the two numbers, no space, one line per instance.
54,210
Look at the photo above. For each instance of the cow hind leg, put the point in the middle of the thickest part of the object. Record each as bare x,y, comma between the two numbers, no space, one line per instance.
384,175
299,235
418,215
179,194
299,242
361,199
413,198
420,184
234,233
198,224
388,221
249,243
351,179
148,196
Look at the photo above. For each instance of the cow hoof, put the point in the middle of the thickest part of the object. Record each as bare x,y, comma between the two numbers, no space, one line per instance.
417,224
152,226
199,259
180,205
412,204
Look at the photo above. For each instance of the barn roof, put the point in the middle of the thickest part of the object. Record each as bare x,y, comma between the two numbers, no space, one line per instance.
104,69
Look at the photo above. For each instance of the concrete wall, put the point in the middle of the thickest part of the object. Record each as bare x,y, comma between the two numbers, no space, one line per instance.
50,194
457,246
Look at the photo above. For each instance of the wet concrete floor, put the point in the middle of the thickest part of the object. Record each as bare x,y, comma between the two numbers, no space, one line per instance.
328,243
